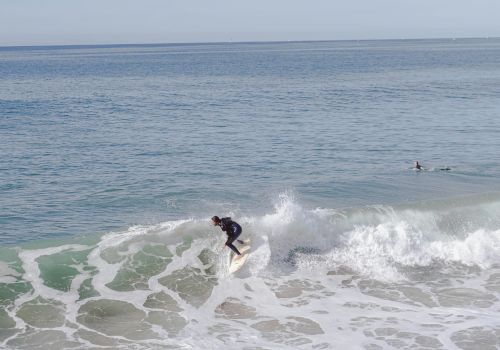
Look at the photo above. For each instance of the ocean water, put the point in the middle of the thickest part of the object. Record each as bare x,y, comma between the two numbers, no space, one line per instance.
113,159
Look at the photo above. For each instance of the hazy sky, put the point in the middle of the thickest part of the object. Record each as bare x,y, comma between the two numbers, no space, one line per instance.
39,22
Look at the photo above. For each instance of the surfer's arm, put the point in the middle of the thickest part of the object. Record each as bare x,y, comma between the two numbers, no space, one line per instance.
226,244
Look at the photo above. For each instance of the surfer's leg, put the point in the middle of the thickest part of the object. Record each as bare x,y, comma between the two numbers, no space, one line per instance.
229,243
233,248
236,233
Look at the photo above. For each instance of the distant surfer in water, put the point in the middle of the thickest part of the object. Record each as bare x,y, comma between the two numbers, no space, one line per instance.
232,229
417,166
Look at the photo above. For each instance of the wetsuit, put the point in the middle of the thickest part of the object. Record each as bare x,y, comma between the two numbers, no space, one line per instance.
233,230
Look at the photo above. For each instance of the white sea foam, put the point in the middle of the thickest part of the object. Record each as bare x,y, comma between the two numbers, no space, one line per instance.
376,242
356,278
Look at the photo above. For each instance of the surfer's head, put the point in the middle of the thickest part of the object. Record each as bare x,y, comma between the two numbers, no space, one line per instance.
216,220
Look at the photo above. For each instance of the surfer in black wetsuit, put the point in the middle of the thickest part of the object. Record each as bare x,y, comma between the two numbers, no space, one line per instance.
232,229
418,166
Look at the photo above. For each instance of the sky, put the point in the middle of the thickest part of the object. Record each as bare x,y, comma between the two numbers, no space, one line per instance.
66,22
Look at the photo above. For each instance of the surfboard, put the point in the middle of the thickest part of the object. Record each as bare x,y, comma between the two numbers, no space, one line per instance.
237,261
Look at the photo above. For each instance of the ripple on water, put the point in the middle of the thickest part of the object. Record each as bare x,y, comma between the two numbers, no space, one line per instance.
115,318
477,338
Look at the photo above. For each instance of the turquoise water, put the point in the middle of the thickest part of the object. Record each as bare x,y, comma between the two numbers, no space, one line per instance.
113,158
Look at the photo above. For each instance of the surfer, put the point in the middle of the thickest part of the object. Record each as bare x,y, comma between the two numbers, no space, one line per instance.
417,166
232,229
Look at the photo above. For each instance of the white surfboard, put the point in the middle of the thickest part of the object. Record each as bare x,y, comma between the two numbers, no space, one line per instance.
237,261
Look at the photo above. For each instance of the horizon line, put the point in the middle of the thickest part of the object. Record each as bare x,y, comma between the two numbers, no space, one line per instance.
235,42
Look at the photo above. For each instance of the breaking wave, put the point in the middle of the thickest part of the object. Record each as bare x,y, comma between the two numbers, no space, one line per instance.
168,285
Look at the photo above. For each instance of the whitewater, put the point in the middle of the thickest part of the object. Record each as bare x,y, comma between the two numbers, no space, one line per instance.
421,276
